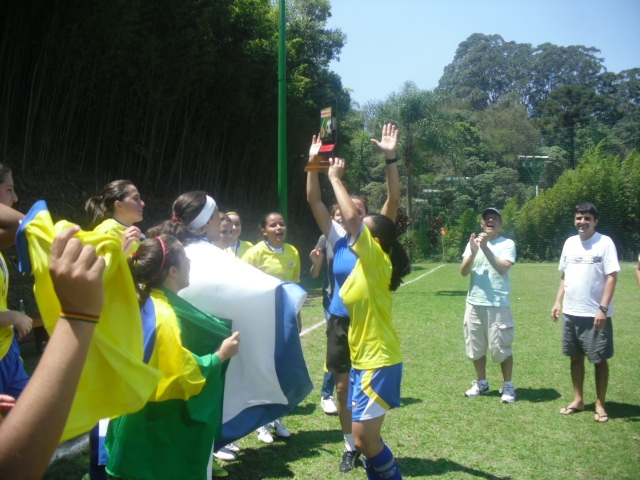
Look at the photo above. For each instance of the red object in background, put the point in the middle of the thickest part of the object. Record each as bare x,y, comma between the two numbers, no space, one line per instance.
442,231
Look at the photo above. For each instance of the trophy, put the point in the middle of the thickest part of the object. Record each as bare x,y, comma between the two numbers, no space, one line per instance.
327,137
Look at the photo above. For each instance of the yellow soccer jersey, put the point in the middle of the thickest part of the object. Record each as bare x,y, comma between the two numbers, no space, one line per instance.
239,249
285,265
6,333
116,230
373,341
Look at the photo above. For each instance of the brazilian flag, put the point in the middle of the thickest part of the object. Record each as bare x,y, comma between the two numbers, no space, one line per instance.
114,380
172,436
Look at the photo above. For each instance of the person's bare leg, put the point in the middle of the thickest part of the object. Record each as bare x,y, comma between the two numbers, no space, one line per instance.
481,368
577,378
342,389
507,368
366,435
602,381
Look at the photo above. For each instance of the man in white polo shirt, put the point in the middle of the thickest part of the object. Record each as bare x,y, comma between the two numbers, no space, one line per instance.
589,266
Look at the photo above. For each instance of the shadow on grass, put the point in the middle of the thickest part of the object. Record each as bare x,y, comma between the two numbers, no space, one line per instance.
627,411
451,293
419,467
271,461
410,401
537,395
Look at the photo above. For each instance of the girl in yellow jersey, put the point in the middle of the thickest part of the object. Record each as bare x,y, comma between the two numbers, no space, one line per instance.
238,247
374,345
281,260
14,325
115,211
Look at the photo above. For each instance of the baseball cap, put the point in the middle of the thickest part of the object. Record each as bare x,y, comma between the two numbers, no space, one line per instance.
489,210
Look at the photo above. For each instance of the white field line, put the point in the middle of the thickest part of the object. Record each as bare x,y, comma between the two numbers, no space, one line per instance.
319,324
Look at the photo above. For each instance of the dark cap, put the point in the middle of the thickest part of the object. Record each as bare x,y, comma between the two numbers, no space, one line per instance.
489,210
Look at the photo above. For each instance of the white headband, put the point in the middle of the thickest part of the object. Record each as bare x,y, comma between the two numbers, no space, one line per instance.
204,215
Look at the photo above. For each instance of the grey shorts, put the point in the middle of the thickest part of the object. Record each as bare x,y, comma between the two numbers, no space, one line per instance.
579,337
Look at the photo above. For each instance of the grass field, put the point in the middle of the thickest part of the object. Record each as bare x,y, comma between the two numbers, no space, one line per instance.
439,432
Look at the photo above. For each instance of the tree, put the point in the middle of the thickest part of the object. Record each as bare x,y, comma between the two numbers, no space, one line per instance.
566,108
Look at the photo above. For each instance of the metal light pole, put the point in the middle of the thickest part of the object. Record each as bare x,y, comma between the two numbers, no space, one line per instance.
282,112
534,165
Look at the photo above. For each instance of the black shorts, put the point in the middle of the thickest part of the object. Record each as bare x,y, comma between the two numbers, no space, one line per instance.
338,357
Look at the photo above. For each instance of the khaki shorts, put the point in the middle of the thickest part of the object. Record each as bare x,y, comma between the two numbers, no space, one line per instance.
488,329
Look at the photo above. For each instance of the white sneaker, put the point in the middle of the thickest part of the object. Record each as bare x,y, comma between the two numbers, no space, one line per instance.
233,446
508,393
264,435
329,406
280,429
225,455
477,388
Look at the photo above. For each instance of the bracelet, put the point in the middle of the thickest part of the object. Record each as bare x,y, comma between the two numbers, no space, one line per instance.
82,317
389,161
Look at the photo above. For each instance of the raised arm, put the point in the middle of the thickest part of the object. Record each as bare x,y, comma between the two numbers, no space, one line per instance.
30,434
350,218
387,144
314,194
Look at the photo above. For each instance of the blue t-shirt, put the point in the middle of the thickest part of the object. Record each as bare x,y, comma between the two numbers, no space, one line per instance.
343,262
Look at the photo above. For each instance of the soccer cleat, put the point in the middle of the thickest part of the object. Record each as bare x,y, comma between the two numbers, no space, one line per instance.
348,460
264,435
508,394
225,455
329,406
280,429
477,388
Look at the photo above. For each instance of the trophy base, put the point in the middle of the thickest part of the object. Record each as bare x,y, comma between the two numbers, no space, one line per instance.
317,165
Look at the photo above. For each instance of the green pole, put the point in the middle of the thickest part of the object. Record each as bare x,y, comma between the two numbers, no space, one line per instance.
282,113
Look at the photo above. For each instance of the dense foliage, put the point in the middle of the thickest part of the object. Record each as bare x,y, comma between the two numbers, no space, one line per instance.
183,95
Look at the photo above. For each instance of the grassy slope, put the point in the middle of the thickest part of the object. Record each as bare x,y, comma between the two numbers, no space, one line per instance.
438,431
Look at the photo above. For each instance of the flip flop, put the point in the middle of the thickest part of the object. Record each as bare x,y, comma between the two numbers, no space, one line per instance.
601,418
571,410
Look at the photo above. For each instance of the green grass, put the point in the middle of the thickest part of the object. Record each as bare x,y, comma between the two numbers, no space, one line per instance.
438,431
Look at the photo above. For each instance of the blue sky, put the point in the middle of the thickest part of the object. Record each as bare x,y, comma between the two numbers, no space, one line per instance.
392,41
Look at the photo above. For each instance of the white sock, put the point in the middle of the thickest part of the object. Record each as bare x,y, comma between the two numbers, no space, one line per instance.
508,384
348,442
482,382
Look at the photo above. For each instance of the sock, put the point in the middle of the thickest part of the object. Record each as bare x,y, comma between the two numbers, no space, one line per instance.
348,442
482,382
508,384
371,474
384,465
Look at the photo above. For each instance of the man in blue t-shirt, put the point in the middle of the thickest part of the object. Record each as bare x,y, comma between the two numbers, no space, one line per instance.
488,323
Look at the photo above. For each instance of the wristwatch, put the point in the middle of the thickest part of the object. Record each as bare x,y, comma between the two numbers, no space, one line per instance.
603,308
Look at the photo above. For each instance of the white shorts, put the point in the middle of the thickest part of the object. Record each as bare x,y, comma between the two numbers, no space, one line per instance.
488,329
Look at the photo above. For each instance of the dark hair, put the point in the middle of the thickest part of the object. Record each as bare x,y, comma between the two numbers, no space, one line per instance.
587,207
4,172
100,207
364,201
151,262
384,230
185,209
263,220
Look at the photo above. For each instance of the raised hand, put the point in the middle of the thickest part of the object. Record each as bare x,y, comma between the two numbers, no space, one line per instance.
76,271
388,141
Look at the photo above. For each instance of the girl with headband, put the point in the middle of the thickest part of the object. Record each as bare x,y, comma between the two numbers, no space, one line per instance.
171,436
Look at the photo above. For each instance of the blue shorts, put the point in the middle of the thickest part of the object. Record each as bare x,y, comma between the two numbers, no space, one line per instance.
372,393
13,377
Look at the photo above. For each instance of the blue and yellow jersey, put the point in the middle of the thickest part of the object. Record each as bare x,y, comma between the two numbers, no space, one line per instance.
6,333
373,340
